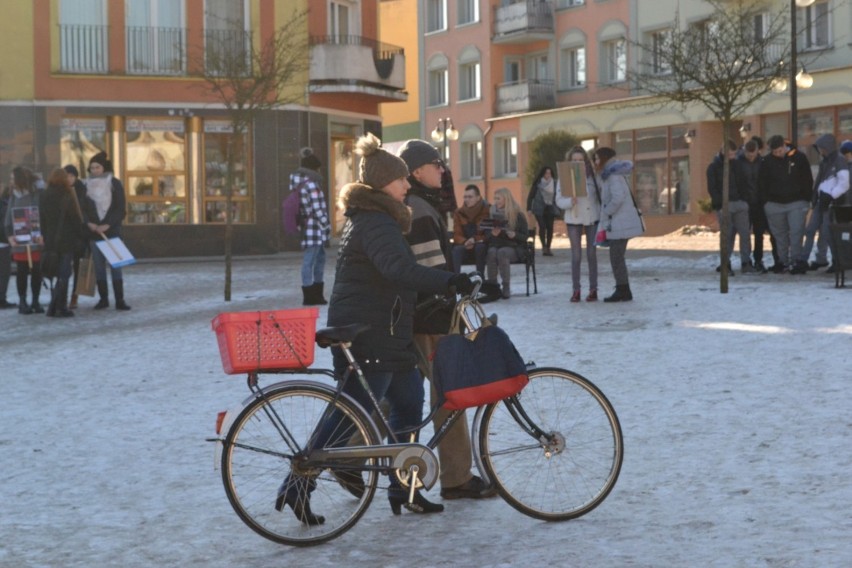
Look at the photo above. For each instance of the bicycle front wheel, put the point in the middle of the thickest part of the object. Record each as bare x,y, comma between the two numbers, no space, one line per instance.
570,464
262,450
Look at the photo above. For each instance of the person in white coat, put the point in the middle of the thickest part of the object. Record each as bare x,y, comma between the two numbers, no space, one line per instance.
619,217
582,214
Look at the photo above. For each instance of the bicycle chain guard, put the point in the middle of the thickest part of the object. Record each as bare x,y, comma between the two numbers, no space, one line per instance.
420,456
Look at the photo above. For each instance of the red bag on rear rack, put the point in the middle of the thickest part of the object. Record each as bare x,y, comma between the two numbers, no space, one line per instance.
478,368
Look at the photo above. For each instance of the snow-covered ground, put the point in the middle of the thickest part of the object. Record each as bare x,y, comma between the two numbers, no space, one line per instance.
735,410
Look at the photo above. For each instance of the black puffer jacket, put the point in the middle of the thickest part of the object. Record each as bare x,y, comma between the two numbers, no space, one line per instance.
737,184
61,221
786,179
377,279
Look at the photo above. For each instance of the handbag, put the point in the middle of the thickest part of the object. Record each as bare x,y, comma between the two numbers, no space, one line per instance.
601,239
85,277
481,367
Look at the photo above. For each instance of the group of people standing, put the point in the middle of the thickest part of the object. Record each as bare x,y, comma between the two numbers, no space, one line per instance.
777,192
608,206
64,216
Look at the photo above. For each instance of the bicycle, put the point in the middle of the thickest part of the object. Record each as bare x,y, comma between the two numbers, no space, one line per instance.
554,451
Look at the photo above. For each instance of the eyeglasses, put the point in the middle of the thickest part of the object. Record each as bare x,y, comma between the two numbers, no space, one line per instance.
438,163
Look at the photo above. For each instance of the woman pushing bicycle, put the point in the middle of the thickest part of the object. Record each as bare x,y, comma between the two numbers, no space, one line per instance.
376,283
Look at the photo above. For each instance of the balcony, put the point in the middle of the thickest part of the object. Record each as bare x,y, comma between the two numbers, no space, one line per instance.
227,52
155,51
83,49
523,22
525,96
354,64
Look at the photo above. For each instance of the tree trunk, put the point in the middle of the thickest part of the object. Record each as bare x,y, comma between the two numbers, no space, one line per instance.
725,221
229,204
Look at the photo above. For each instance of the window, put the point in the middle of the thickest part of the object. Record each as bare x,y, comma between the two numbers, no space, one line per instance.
217,135
468,11
156,171
506,162
660,44
470,87
436,15
83,36
760,26
573,67
513,71
343,18
814,26
471,160
569,3
538,67
438,89
615,60
155,37
226,36
80,139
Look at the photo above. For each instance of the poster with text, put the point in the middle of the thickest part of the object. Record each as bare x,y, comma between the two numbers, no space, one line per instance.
572,179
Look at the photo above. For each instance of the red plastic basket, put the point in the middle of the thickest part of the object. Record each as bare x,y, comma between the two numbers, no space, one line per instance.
257,341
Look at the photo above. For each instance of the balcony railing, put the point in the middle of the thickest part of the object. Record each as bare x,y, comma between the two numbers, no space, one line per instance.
83,49
227,52
530,19
346,59
525,96
155,51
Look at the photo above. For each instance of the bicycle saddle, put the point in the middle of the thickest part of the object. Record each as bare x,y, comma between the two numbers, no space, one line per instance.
329,336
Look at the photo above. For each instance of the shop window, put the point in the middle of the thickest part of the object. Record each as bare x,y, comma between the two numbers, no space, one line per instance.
80,139
155,181
217,136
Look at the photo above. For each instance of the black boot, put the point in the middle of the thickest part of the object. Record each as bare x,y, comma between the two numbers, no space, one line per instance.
24,308
399,498
61,295
319,298
308,295
118,288
54,298
622,294
103,292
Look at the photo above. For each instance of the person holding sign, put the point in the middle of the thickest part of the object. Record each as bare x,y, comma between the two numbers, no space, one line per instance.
24,234
103,213
578,194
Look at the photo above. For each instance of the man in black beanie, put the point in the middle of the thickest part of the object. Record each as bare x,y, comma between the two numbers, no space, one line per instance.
429,239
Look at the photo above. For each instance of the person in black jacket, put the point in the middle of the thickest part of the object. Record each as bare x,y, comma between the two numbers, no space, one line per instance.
785,186
5,251
62,229
738,200
104,212
80,192
750,160
377,278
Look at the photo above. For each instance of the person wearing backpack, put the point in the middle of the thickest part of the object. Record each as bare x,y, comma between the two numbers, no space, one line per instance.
315,225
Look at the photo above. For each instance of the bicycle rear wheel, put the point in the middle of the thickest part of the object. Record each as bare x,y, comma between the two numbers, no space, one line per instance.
257,458
569,470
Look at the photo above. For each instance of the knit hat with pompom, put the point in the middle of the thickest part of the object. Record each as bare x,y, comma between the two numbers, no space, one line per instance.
378,166
309,159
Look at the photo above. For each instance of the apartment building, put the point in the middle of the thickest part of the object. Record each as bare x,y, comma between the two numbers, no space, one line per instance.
503,72
122,76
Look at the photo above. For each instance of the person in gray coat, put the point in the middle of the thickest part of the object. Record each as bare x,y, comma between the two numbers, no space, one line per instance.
619,217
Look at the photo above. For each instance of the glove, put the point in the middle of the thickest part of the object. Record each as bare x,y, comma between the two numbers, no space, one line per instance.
461,283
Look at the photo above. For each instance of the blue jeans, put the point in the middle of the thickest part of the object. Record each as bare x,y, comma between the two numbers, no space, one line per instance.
402,389
460,253
818,221
101,264
313,265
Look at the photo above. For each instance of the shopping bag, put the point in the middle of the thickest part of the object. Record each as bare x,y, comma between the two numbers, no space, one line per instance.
115,252
477,368
85,278
600,239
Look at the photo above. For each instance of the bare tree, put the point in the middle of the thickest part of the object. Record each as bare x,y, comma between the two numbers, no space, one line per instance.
248,77
725,63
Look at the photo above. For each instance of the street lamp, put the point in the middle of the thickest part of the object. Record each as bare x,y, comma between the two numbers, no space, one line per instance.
444,132
797,79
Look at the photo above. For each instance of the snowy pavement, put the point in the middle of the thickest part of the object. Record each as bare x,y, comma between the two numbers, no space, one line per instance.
735,411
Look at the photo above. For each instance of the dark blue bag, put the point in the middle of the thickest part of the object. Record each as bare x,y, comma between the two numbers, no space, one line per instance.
478,368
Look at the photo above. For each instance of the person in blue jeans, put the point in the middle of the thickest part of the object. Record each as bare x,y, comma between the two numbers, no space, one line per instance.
468,236
376,283
315,226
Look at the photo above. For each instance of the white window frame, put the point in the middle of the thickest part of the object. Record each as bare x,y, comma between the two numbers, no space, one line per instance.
573,60
538,66
569,3
436,16
337,9
437,82
660,40
146,52
811,23
469,74
506,156
471,159
615,60
83,36
513,70
468,12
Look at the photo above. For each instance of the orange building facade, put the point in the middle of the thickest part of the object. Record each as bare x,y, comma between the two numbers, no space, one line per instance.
92,75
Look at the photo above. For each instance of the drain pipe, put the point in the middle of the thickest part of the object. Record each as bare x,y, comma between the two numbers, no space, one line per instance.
485,160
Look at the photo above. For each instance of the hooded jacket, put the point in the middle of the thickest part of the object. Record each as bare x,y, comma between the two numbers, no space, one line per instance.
377,279
833,175
619,216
